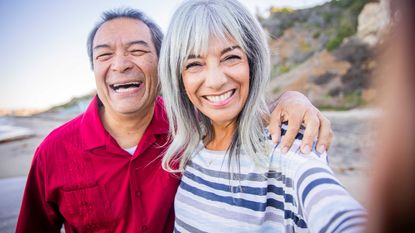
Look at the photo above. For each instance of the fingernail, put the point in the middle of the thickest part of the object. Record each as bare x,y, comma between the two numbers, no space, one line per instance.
321,149
306,149
285,149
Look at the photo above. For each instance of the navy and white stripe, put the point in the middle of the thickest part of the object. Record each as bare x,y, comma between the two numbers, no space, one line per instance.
296,193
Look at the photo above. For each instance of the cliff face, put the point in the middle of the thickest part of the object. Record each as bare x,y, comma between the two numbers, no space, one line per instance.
326,52
371,22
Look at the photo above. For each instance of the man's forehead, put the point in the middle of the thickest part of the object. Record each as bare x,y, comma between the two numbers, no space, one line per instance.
124,30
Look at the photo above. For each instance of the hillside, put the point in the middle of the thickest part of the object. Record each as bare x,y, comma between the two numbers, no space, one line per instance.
327,52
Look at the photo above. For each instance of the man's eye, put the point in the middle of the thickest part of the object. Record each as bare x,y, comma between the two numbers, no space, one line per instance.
103,56
192,65
138,52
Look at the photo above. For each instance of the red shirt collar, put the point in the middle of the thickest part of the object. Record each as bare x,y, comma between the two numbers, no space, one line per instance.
94,135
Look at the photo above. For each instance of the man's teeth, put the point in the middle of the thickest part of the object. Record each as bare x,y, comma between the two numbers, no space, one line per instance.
218,98
126,84
124,87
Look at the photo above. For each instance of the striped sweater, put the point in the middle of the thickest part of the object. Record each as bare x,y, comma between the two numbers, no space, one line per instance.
295,193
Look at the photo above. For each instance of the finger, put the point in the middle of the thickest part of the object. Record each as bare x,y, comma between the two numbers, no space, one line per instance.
274,126
294,125
312,124
276,134
325,136
325,145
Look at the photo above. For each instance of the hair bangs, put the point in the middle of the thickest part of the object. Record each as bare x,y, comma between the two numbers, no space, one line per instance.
204,24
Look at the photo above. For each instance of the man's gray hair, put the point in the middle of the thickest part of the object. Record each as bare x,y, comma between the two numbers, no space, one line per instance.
194,24
156,33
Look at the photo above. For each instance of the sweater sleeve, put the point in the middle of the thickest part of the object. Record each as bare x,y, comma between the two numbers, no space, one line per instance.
36,213
323,202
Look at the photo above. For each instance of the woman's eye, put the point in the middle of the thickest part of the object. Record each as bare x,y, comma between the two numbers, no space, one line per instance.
232,57
192,65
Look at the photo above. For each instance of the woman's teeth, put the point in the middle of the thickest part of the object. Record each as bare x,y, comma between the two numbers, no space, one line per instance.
218,98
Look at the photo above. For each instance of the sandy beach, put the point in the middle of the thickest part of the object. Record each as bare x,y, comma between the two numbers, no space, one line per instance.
349,155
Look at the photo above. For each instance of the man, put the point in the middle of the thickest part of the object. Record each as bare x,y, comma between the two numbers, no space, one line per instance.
101,172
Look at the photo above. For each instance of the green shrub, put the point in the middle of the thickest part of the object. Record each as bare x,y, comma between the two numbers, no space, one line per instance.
305,47
284,69
327,16
334,43
345,30
342,3
354,99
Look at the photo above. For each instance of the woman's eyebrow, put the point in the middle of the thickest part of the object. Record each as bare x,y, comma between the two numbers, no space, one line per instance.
230,49
191,56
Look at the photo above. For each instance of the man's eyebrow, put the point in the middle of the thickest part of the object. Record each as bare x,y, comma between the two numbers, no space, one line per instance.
135,42
138,42
230,49
101,46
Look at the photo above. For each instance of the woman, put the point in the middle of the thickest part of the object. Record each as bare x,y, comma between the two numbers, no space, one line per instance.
214,69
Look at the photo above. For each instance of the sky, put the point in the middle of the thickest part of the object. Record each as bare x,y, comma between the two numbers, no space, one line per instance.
43,58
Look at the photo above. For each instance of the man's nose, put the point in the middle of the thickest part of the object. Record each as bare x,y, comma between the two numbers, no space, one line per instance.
215,78
121,63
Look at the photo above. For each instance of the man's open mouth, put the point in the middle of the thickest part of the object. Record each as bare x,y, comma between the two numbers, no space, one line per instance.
124,87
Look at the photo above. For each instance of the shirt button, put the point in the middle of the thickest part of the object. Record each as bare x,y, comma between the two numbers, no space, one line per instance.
138,194
144,228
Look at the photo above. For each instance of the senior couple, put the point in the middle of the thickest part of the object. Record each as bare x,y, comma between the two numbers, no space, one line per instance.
198,159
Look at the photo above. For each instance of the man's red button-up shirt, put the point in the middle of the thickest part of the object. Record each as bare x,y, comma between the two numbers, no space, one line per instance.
82,178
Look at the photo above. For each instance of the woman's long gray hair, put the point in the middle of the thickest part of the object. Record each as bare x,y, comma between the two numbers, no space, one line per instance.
193,25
